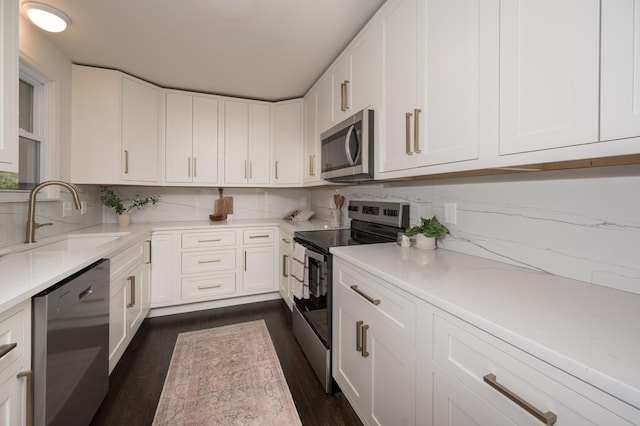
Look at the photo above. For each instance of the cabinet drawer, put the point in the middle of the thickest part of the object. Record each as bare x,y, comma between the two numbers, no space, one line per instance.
208,286
13,330
126,259
286,241
396,310
208,261
470,354
258,236
208,239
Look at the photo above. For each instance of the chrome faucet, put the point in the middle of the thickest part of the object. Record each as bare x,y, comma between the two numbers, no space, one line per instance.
31,222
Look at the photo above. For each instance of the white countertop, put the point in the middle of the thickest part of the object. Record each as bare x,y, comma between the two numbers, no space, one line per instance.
26,270
589,331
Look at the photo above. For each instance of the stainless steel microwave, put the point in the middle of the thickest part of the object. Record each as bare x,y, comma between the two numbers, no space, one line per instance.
347,149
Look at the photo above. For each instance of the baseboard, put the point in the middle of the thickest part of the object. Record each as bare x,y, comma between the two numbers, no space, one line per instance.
201,306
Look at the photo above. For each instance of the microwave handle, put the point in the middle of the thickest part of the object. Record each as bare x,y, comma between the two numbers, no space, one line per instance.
352,129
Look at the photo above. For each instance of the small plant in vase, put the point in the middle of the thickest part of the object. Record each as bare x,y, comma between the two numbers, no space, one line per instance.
427,232
112,200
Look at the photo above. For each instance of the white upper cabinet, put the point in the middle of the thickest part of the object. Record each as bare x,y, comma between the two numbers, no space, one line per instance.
311,157
140,131
432,79
115,126
9,86
288,142
549,80
620,70
191,138
247,143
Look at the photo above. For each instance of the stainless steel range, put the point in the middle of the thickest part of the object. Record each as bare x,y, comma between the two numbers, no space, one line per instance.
371,222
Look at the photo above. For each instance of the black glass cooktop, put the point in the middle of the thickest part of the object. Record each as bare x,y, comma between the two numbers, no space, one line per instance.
360,233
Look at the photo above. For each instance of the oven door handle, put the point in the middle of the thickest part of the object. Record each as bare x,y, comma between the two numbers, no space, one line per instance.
314,255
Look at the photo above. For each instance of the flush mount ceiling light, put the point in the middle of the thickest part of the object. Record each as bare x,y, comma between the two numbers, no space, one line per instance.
46,17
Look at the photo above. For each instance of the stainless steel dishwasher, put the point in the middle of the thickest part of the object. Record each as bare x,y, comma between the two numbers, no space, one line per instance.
71,347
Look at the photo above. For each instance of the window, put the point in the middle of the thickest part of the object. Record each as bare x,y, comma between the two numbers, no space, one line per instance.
32,140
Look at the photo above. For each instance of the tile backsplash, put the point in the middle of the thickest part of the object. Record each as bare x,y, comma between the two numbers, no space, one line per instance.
582,224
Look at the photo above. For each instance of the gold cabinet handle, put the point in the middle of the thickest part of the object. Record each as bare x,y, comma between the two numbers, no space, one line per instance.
250,169
311,171
188,166
284,265
245,169
416,130
359,336
276,169
547,418
407,132
211,240
259,236
364,341
5,349
365,295
210,261
245,261
132,280
195,164
126,161
344,95
28,375
286,241
206,287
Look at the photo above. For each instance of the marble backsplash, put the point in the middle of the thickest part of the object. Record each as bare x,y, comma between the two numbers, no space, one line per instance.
582,224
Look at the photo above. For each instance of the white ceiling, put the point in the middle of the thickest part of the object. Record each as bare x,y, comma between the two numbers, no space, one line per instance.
260,49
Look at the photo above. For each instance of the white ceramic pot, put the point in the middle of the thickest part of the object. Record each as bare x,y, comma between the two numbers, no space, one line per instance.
124,219
426,243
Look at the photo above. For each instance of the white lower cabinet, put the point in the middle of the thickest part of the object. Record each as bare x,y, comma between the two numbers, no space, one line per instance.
205,265
374,353
130,297
15,364
403,361
284,271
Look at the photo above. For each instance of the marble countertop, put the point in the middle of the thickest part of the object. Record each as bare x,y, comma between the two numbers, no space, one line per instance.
589,331
26,270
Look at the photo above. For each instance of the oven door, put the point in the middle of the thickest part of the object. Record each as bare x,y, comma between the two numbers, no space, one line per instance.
315,309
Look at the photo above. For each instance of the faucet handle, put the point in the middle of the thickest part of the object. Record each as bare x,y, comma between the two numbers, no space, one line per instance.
38,225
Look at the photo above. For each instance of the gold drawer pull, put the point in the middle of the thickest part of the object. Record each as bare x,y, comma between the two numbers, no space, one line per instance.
5,349
407,132
206,287
213,240
416,130
365,295
210,261
547,418
286,241
259,236
132,280
359,336
28,375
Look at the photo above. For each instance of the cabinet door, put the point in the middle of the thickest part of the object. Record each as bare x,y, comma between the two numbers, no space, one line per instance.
342,84
311,139
117,321
140,131
549,82
236,143
258,270
9,86
135,302
620,91
12,391
205,140
259,149
350,369
165,256
325,103
178,138
393,378
438,58
287,141
365,88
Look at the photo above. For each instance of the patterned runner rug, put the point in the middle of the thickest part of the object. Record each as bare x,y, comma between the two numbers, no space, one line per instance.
226,376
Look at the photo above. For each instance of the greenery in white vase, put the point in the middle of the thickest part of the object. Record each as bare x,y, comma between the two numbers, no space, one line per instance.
112,200
429,228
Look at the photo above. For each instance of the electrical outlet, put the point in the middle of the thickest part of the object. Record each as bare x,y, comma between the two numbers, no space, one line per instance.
450,213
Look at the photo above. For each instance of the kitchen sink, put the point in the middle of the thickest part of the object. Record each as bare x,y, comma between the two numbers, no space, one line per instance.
75,242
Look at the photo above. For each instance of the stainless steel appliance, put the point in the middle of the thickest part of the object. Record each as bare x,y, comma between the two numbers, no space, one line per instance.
347,149
371,222
71,347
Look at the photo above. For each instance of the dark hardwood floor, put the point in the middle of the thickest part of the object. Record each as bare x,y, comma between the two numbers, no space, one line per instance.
136,382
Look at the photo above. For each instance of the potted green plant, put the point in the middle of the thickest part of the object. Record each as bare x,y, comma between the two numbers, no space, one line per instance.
427,233
112,200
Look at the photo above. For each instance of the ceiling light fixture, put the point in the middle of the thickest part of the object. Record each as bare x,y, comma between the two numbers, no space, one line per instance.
46,17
